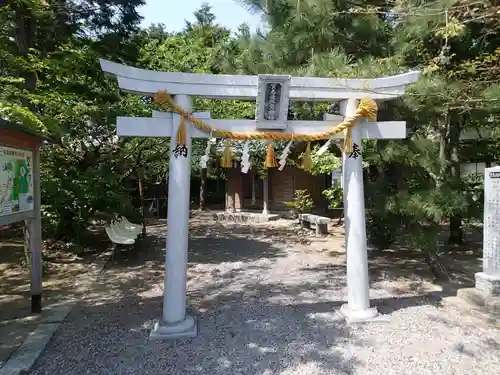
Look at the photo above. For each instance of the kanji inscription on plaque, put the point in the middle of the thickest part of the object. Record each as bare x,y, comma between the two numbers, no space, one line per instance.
272,102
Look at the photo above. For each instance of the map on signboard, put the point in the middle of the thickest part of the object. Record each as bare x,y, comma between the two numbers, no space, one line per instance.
16,180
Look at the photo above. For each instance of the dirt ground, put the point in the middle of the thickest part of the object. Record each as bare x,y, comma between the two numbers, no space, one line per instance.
63,279
266,297
66,275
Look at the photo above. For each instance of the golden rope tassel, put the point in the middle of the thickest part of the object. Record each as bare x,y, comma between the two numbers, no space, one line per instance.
270,161
348,141
367,108
307,162
180,138
227,156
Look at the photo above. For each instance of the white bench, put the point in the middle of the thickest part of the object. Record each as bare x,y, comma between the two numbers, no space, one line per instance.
319,222
118,240
124,230
125,224
122,234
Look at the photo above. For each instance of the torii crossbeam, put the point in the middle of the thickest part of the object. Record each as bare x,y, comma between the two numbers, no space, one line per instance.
175,322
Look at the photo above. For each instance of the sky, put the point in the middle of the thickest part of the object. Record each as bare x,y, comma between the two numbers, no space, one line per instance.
228,12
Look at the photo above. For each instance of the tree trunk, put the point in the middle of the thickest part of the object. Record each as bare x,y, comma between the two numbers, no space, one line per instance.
456,232
203,177
443,156
440,176
25,34
27,252
253,189
24,37
437,266
265,200
141,199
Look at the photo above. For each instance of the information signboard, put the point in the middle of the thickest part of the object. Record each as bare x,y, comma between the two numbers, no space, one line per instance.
16,180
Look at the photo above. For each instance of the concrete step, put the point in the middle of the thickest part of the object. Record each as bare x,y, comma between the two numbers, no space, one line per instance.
479,299
471,311
245,217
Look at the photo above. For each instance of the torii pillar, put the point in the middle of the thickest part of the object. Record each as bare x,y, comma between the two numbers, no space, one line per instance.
358,296
175,322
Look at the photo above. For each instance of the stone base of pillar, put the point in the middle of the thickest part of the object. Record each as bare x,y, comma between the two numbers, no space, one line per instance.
488,284
165,331
358,316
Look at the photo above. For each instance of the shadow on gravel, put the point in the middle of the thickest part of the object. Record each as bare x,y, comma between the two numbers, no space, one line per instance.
256,327
390,305
336,273
246,326
394,264
230,248
239,333
214,242
208,244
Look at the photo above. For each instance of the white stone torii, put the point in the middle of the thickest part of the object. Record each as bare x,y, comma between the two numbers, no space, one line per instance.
175,322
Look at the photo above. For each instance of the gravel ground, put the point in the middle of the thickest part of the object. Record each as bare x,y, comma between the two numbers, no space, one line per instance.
266,302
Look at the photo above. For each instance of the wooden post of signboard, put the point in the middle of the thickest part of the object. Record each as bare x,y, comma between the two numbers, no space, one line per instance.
35,244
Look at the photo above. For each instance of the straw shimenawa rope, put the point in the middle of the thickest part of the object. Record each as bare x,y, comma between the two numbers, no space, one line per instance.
367,108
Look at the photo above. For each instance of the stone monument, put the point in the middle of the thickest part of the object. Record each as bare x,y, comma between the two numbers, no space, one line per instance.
488,281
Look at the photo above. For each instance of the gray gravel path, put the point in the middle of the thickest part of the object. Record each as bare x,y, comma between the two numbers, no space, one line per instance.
266,303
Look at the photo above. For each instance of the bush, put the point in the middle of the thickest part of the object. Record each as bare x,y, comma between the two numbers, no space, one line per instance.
381,231
302,202
74,187
334,196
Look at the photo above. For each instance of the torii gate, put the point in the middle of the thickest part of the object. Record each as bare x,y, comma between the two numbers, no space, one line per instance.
269,115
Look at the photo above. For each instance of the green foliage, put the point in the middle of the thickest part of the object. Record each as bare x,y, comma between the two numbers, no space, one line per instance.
23,116
302,30
334,196
325,163
51,82
380,231
473,192
302,201
456,47
423,239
